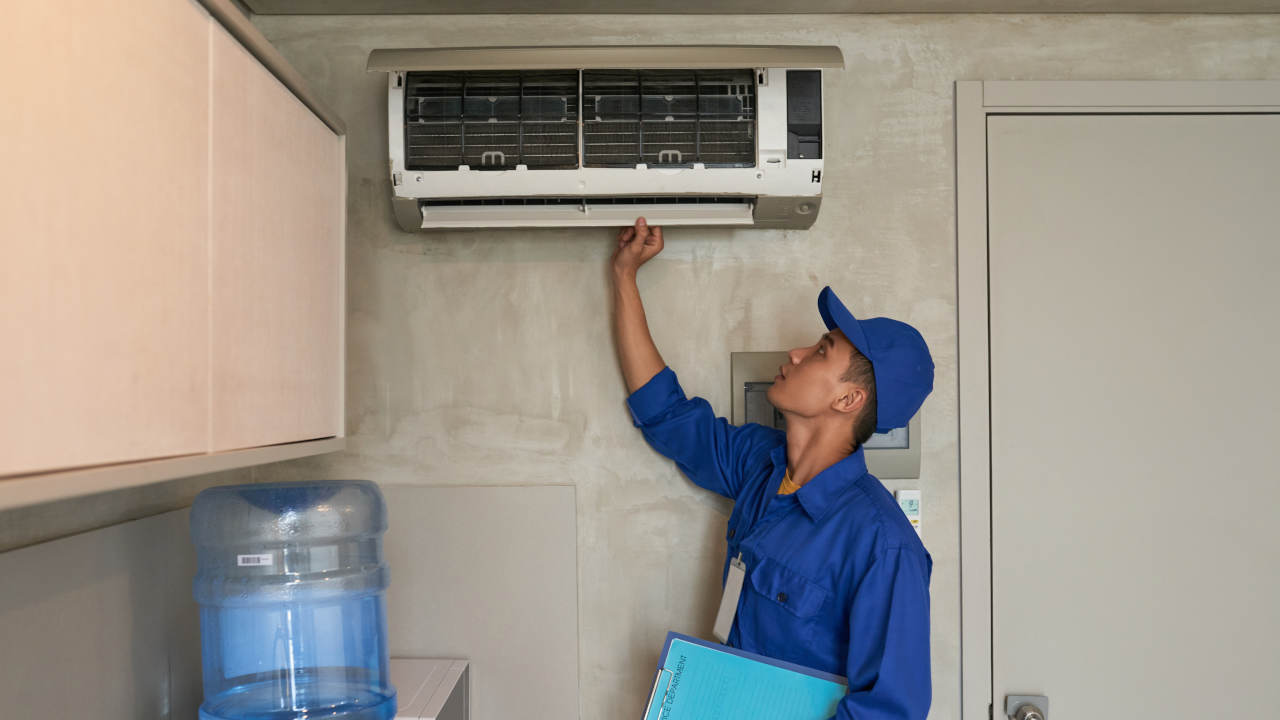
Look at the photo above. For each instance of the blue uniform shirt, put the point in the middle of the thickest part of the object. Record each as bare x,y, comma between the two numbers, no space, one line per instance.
837,578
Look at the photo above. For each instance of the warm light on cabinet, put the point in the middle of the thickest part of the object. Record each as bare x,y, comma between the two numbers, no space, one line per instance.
172,225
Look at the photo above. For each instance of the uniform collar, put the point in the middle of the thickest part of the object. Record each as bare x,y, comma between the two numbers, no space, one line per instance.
821,492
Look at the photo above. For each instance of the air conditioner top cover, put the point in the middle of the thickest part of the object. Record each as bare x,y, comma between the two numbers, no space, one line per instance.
589,136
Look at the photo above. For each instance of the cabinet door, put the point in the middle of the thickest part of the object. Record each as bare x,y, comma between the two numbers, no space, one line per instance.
104,220
278,203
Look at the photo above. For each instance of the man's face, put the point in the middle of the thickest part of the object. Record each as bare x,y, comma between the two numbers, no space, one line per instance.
809,384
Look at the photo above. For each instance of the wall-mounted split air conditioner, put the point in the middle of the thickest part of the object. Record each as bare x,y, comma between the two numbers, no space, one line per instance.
592,136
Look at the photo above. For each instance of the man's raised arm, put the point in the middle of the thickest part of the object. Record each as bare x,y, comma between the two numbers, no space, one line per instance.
636,352
709,450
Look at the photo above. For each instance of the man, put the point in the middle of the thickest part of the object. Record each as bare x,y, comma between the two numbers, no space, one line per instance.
836,578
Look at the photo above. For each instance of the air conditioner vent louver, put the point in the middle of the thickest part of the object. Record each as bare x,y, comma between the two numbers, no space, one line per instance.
491,120
585,211
629,200
668,118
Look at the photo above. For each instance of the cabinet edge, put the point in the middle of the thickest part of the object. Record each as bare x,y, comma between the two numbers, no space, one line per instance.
230,17
27,490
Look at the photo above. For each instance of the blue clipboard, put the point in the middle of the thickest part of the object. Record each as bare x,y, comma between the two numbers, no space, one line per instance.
700,680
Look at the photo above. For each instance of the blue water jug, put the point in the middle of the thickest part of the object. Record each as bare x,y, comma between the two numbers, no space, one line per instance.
291,586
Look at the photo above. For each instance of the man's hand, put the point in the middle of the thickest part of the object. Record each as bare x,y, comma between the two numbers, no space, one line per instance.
636,245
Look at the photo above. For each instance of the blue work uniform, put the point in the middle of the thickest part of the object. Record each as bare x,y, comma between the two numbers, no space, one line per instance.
837,578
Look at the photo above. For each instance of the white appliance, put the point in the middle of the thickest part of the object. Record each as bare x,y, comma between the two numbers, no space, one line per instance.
431,688
595,136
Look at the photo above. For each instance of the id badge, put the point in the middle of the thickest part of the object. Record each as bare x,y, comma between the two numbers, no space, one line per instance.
729,601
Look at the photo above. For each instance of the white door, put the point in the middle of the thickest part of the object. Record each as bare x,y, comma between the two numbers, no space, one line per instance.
1134,270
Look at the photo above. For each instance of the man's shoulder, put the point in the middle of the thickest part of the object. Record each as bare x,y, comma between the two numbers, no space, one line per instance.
765,435
882,517
758,443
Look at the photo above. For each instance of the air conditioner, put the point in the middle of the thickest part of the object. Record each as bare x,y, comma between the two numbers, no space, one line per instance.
593,136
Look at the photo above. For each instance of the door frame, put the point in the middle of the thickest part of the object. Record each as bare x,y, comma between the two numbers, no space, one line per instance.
976,100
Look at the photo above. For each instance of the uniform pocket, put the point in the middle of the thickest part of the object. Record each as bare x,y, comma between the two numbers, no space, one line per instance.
787,588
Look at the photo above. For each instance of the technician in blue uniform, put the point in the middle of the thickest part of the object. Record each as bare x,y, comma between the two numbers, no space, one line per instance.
836,578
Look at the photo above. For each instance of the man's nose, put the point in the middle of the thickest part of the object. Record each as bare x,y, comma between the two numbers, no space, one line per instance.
795,355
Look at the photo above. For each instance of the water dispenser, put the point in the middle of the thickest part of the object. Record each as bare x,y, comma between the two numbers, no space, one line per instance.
291,586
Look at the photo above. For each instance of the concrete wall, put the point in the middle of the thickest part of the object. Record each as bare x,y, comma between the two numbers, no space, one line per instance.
486,357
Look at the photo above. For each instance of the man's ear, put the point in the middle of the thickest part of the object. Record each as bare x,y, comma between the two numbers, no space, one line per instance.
850,401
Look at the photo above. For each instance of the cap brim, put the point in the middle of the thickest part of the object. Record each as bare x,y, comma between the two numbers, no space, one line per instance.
836,315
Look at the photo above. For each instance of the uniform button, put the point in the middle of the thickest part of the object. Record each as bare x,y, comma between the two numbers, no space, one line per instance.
731,532
782,597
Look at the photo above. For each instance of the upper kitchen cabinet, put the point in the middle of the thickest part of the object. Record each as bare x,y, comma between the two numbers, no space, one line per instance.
104,217
172,223
279,193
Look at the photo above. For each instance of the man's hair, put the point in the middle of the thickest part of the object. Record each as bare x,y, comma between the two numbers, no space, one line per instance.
860,373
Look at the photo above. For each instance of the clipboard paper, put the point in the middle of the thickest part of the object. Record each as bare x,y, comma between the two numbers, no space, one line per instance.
700,680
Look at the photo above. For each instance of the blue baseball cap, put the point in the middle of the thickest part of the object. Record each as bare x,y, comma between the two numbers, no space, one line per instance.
899,358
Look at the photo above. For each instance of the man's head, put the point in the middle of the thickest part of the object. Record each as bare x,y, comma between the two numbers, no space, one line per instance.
828,380
872,374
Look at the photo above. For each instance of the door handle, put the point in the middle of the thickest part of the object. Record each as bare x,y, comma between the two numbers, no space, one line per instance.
1026,707
1028,712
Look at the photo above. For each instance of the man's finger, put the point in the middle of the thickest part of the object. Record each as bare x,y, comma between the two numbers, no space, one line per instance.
635,246
642,229
657,236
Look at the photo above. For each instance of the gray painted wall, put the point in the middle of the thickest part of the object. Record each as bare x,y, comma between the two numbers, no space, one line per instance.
486,357
102,624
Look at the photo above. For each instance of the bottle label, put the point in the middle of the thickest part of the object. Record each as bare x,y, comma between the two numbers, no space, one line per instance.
263,560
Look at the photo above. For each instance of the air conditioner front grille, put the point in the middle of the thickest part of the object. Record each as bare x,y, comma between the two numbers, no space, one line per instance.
550,144
611,143
669,142
725,142
668,117
491,120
